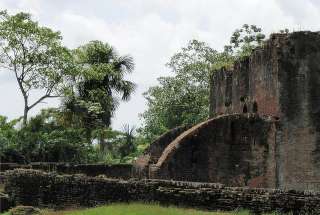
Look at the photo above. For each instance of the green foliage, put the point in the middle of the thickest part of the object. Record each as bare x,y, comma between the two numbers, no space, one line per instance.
8,135
120,146
45,139
7,131
34,55
183,98
244,40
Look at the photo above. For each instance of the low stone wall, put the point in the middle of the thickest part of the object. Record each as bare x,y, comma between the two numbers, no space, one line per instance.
122,171
37,188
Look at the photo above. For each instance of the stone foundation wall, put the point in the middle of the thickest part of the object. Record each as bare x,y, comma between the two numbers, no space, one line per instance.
37,188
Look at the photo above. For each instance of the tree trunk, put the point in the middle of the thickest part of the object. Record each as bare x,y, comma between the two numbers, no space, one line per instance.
25,112
103,145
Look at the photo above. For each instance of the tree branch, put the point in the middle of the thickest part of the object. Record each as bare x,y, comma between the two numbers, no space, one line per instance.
47,95
6,67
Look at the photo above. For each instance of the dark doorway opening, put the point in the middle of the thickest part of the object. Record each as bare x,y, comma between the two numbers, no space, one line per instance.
245,109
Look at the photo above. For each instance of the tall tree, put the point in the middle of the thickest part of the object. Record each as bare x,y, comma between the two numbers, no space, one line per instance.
34,55
182,98
100,84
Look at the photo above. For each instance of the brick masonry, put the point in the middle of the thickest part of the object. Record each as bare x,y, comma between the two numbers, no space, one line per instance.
236,150
154,151
282,80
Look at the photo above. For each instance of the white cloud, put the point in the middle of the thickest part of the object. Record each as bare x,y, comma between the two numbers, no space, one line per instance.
152,30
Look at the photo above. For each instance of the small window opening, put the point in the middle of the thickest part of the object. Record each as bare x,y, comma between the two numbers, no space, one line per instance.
255,107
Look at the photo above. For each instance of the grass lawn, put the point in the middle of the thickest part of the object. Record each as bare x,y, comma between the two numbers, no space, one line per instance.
139,209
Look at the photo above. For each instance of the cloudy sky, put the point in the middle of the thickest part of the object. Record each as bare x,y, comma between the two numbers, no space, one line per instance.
151,31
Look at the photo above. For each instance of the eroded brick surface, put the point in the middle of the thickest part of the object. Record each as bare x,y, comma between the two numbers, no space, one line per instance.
236,150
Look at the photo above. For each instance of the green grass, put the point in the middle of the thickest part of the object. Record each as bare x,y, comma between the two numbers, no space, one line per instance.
139,209
143,209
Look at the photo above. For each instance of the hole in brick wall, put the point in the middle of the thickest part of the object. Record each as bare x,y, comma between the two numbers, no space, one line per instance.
245,109
255,107
227,104
276,118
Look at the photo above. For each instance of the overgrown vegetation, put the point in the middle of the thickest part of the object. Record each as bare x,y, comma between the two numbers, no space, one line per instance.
48,138
90,81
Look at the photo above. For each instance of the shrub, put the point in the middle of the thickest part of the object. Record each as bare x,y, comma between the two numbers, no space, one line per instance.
25,210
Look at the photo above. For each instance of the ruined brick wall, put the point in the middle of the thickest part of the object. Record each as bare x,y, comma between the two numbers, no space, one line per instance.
36,188
282,80
222,87
299,103
251,86
237,150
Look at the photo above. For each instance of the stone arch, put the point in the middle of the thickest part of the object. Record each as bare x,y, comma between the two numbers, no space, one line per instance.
154,151
223,155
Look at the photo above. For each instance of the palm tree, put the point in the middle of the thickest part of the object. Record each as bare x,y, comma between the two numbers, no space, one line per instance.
99,84
128,145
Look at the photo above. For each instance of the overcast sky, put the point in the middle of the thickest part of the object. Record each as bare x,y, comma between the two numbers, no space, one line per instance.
151,31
